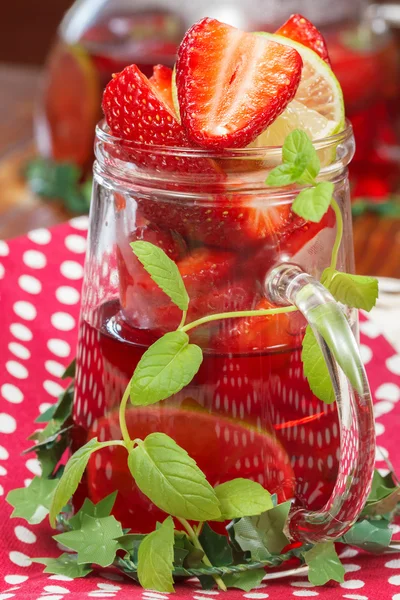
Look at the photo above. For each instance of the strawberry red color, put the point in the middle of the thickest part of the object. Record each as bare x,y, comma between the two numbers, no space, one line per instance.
299,29
162,83
232,85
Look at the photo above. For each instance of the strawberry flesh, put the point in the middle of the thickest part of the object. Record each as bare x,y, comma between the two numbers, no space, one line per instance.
161,81
231,84
299,29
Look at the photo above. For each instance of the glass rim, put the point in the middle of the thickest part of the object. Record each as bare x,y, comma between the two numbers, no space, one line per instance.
103,135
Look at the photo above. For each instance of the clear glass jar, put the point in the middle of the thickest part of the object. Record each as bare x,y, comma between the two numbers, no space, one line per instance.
249,411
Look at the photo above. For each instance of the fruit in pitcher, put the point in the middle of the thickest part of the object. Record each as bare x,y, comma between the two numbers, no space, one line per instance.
223,449
162,83
301,30
231,85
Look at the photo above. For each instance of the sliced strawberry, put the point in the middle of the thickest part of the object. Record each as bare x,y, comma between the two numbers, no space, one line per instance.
162,82
269,333
226,222
136,112
299,29
232,85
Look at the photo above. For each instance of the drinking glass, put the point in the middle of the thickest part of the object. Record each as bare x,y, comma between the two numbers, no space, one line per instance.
249,412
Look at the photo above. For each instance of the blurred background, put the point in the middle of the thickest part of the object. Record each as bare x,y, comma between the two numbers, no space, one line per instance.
57,55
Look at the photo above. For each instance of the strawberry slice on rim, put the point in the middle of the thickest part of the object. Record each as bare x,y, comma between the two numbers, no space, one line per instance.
231,84
299,29
137,109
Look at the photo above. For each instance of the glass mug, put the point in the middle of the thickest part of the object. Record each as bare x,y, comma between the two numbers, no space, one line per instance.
249,411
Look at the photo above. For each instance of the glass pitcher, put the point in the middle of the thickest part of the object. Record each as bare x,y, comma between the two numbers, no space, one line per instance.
100,37
249,411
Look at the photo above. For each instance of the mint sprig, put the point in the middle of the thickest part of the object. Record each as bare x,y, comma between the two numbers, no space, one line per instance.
155,559
356,291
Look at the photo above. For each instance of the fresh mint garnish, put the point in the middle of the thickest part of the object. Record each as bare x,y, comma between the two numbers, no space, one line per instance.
66,564
242,498
312,203
315,368
288,173
182,492
156,557
71,477
33,503
263,535
300,162
324,564
163,271
356,291
95,541
165,368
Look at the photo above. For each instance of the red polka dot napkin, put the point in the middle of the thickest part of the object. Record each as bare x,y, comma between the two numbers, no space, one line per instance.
40,281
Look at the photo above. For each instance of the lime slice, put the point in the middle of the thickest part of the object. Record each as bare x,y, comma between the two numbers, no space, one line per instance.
319,90
296,116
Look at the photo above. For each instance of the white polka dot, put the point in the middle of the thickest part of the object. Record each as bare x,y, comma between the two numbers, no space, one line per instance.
71,269
388,391
61,578
44,406
30,284
53,388
396,597
349,568
379,429
395,528
40,236
54,368
59,348
2,271
34,259
19,350
382,408
366,353
381,453
20,559
25,310
6,596
56,589
67,295
1,490
11,393
355,597
16,369
4,249
393,364
305,584
3,453
62,321
76,243
21,332
305,593
352,584
3,471
15,579
51,597
255,596
25,535
370,329
108,587
394,580
33,465
348,553
27,482
393,564
81,223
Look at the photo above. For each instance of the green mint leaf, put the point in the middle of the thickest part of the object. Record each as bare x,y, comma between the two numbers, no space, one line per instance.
312,203
372,536
263,535
155,559
242,498
95,542
47,415
71,477
288,173
70,370
216,547
163,271
324,564
356,291
66,564
33,503
165,368
315,368
171,479
298,143
100,510
246,580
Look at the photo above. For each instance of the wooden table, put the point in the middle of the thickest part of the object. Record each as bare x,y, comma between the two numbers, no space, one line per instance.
376,239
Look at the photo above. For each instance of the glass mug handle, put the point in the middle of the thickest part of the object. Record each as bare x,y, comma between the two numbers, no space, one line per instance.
289,284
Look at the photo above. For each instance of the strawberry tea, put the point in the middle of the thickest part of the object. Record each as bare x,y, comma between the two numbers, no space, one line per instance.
220,201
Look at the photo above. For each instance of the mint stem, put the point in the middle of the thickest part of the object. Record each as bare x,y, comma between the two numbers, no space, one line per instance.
183,320
235,315
122,419
339,233
196,543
